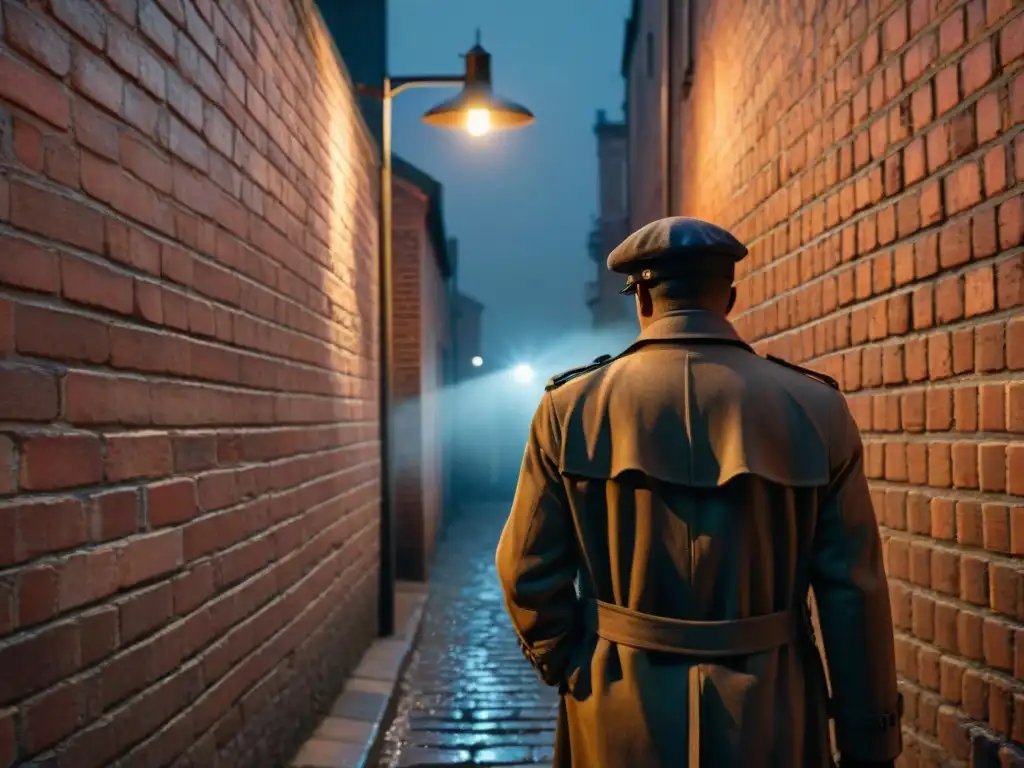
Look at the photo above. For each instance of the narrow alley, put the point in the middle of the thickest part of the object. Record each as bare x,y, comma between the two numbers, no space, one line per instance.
468,697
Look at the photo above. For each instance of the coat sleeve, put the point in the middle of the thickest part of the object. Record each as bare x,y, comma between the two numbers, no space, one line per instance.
537,557
852,595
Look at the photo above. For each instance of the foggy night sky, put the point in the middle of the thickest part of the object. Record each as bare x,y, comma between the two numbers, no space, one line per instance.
520,203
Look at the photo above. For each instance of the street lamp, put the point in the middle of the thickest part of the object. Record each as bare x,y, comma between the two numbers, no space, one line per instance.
477,110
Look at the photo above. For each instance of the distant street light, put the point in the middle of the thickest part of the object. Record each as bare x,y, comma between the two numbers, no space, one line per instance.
522,373
477,361
477,110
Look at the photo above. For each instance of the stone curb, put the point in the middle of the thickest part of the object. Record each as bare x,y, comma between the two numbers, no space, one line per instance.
353,732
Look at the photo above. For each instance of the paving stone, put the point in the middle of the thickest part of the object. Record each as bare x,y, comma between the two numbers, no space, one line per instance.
421,758
367,685
469,697
340,729
320,753
359,705
503,756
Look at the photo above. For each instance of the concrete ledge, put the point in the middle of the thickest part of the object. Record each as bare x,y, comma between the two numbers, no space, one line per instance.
350,736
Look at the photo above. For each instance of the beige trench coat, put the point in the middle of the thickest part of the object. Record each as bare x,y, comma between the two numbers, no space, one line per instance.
691,479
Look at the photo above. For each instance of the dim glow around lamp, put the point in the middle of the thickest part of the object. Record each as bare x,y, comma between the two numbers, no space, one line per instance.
522,373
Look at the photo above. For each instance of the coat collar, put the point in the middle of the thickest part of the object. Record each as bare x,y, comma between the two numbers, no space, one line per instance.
690,326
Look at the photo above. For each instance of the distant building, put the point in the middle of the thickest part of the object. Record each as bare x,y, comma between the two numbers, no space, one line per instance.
642,67
422,330
611,225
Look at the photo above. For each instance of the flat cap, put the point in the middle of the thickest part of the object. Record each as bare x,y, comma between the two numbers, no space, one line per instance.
673,247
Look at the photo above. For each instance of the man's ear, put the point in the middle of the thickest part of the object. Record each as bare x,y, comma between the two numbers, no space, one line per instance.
732,300
644,301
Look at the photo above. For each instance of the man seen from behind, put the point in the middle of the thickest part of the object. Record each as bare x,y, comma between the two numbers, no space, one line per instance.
699,491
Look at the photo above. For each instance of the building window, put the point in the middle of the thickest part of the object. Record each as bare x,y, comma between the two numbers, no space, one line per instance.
650,54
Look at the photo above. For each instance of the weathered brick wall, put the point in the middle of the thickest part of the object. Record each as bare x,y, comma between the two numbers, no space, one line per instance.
420,325
188,437
871,153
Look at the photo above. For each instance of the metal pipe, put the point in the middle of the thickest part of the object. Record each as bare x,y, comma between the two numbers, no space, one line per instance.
386,595
386,587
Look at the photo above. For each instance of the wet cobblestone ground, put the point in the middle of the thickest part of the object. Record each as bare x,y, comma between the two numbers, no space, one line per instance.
468,696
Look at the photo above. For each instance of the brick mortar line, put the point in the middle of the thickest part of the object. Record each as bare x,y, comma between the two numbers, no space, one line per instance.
16,294
913,334
106,431
207,514
212,557
896,55
975,156
198,656
984,671
960,381
56,366
999,77
289,173
15,173
961,270
938,438
893,341
960,605
1006,559
119,430
957,270
186,566
952,494
920,234
82,492
213,641
132,700
162,377
923,690
316,83
931,739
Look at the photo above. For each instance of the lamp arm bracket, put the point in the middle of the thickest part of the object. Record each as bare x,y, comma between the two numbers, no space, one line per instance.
394,85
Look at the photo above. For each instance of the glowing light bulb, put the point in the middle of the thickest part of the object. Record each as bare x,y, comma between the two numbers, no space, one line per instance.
478,122
477,361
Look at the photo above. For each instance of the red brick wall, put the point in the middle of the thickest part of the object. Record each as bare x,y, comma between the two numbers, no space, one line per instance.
188,440
872,156
421,330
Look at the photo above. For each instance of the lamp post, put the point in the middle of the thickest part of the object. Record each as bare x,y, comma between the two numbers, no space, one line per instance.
477,110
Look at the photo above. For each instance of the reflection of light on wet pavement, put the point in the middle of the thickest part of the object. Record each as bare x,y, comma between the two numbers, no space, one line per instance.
468,695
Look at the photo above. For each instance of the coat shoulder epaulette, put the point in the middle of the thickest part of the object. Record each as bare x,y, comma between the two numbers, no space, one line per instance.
559,379
805,371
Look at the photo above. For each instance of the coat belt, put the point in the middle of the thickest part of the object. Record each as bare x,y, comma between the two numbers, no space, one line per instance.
706,639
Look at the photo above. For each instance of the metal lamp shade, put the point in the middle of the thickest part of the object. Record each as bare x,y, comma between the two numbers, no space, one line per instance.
453,113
